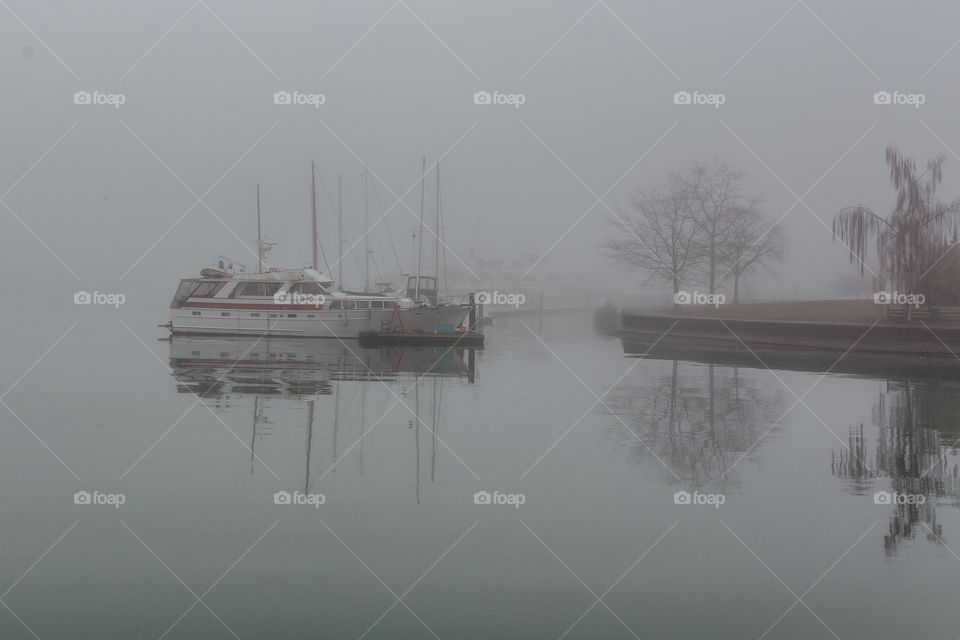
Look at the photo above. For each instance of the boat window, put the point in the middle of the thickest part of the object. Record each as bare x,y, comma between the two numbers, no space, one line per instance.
273,315
194,354
348,304
225,314
335,304
207,289
376,304
308,288
183,292
224,354
427,283
254,315
196,313
363,304
310,315
291,315
259,289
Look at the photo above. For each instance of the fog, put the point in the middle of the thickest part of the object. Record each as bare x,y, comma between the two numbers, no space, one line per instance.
134,197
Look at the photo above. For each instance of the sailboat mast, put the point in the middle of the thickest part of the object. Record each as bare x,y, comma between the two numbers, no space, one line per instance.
436,236
259,235
366,234
340,230
423,171
313,206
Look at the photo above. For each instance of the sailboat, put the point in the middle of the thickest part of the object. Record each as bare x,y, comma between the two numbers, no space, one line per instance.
302,302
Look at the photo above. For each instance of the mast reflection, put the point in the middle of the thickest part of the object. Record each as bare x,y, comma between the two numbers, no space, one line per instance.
335,386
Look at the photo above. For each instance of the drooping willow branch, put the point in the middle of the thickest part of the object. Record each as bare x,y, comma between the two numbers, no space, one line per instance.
913,236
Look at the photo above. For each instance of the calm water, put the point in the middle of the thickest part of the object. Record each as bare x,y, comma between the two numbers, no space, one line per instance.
399,549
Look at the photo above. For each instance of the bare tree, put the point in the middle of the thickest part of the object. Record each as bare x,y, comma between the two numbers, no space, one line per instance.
752,244
697,222
913,236
660,238
714,195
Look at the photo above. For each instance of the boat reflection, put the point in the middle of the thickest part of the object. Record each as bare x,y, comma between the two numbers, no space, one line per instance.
917,422
339,390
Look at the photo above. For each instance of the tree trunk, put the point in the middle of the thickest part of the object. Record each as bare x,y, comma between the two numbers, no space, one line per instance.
713,265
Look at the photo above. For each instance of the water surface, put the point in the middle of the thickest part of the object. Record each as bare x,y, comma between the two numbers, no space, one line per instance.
399,441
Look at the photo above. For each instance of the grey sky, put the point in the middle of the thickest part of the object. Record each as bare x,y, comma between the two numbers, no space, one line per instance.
399,81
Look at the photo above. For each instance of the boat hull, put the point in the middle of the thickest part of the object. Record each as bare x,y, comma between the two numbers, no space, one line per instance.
313,323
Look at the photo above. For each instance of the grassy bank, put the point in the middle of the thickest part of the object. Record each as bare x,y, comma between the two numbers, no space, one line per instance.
841,311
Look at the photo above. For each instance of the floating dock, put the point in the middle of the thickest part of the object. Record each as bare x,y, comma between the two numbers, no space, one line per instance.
462,339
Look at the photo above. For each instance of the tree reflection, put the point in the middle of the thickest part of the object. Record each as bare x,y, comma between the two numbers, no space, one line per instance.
699,420
851,463
917,423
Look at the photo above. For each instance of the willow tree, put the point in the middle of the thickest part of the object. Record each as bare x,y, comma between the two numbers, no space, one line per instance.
913,236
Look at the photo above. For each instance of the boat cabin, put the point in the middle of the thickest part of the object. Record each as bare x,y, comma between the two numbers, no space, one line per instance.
296,287
426,292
